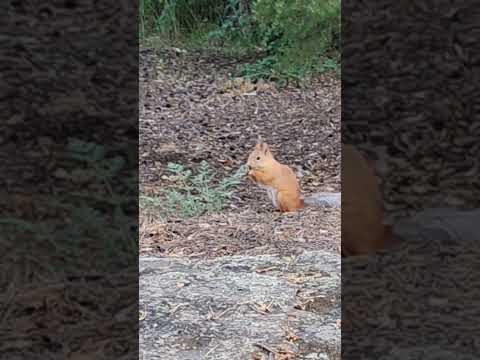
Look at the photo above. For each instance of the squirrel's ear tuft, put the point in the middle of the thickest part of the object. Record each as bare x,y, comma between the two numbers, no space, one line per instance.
265,148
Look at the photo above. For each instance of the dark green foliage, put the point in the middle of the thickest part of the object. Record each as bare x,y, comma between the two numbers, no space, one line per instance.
291,39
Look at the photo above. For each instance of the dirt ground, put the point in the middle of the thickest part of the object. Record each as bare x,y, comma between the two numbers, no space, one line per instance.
193,109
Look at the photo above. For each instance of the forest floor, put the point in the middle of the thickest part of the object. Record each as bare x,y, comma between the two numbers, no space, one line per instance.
193,109
190,111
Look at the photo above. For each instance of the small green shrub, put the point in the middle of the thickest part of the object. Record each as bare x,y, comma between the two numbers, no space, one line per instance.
329,64
193,194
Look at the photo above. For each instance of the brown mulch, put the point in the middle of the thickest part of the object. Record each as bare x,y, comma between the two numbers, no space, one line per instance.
194,114
192,108
411,101
58,91
243,233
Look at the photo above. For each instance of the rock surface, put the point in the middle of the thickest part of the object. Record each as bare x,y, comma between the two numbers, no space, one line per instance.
240,306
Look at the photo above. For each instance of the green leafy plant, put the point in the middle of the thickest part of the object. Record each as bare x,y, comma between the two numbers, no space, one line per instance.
192,194
237,24
299,21
329,65
298,37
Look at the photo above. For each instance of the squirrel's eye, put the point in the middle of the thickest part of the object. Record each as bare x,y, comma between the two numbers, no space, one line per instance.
258,157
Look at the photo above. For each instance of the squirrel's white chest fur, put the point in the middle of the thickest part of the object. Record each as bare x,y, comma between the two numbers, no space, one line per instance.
272,194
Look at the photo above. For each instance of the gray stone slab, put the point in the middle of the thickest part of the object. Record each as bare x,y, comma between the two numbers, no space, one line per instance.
206,309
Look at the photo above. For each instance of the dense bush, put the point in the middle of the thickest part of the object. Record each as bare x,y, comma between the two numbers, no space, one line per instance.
300,20
299,37
291,37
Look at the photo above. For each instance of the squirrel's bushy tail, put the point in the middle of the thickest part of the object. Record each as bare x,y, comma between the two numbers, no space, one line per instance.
323,199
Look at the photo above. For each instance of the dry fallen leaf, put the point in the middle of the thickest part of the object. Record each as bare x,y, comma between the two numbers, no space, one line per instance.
292,337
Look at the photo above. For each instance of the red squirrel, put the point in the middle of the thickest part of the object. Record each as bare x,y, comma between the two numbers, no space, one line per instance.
279,180
363,230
